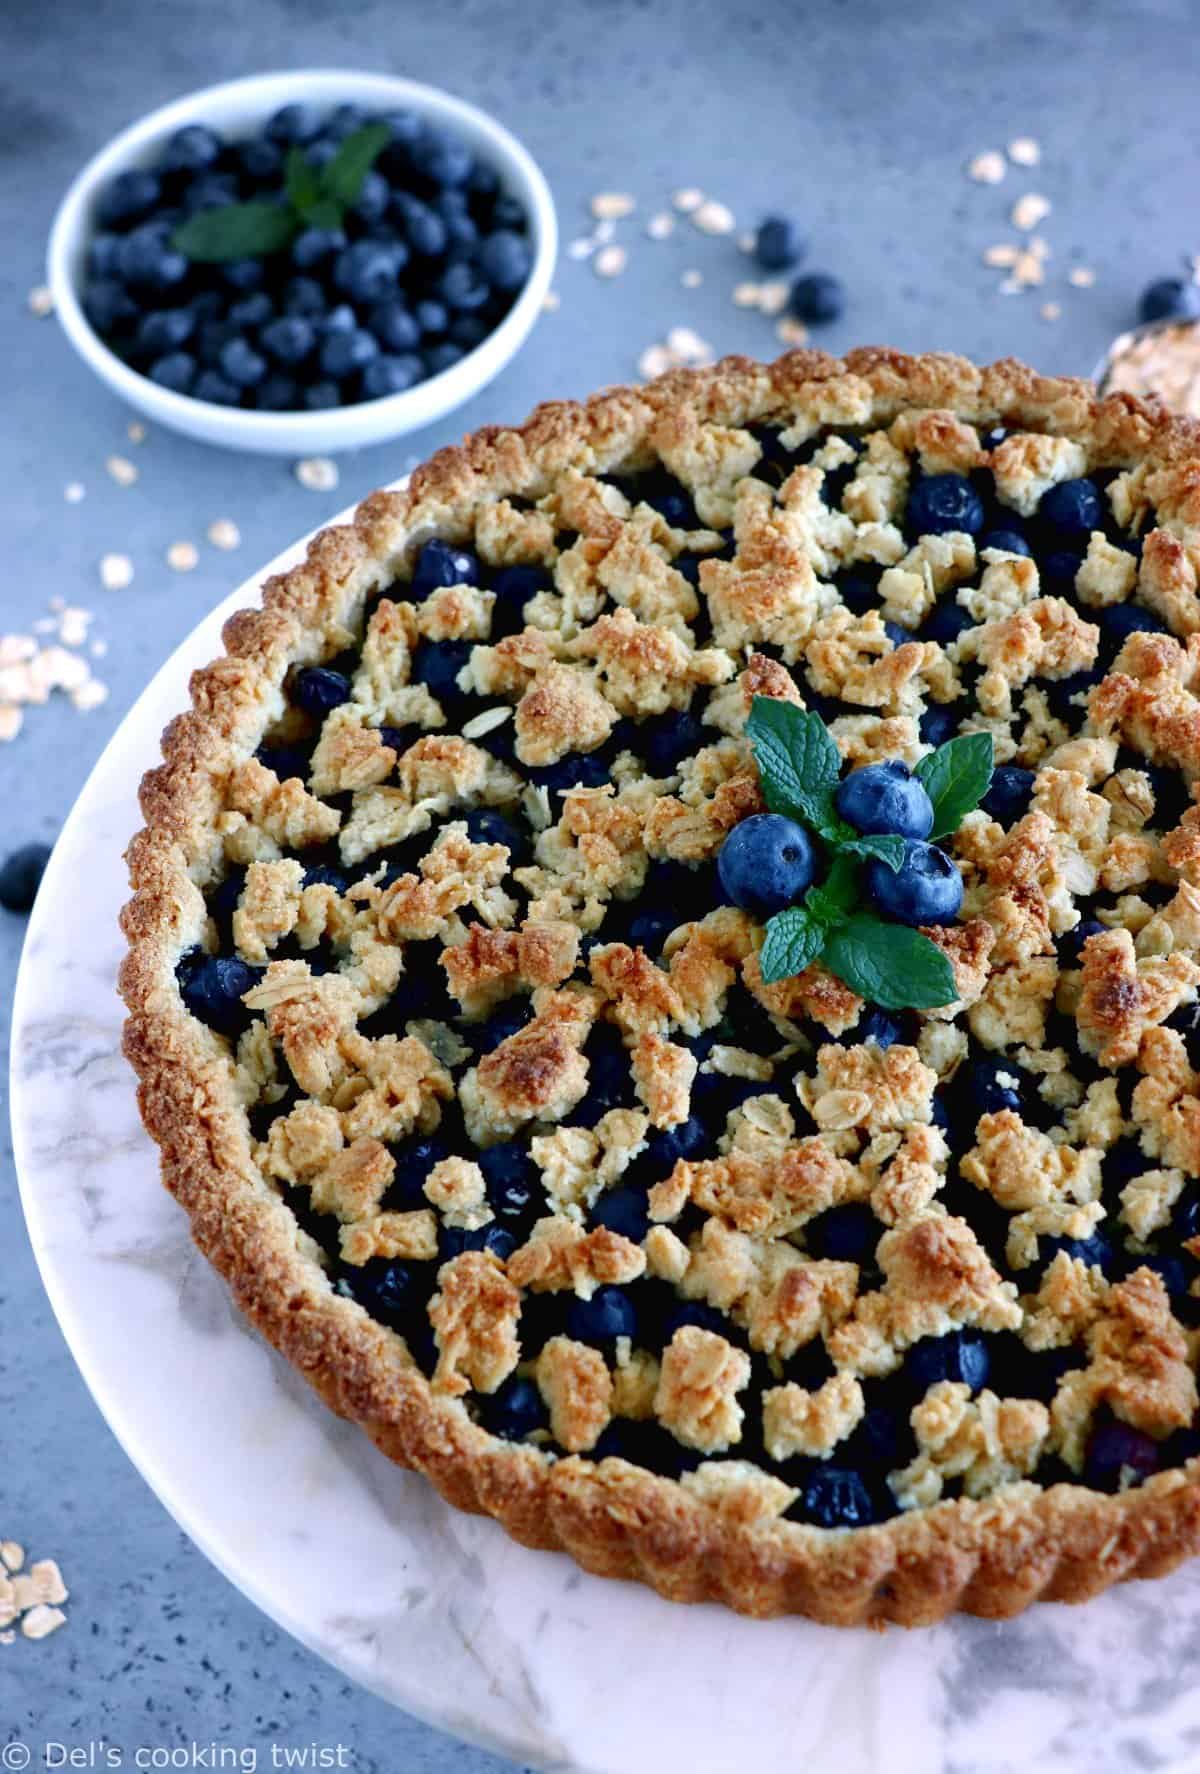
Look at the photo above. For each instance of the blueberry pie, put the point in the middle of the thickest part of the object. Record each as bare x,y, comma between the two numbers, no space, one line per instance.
664,968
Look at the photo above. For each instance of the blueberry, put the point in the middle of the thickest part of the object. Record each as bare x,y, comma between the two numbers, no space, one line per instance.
671,499
391,375
766,863
213,191
506,259
835,1497
414,1162
885,798
424,230
1122,1162
344,353
103,255
20,874
368,270
175,370
166,330
344,121
1186,1216
514,586
883,1027
938,725
324,874
440,358
1056,572
437,665
609,1314
696,1315
960,1355
925,889
515,1410
316,246
432,317
500,1025
483,182
667,739
817,298
507,212
288,340
193,148
1095,1251
1172,1271
940,503
779,244
388,1290
128,197
321,397
513,1185
666,1146
859,590
276,393
304,296
1006,541
211,386
896,633
441,158
493,1237
241,364
608,1076
149,261
339,319
318,691
1071,942
1009,793
576,770
1062,692
994,1085
650,930
846,1234
212,988
1119,621
243,275
259,159
1117,1451
1072,508
292,124
486,826
1170,298
394,326
442,563
463,288
109,306
374,195
251,311
623,1210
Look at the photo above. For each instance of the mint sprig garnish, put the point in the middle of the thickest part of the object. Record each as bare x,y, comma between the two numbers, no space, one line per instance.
888,964
312,197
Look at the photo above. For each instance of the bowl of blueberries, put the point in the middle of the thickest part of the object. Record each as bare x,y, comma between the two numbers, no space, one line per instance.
304,262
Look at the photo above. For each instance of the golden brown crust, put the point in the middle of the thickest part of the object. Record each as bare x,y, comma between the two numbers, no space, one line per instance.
991,1557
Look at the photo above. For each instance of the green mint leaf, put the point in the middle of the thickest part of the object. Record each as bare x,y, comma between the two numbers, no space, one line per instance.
794,938
890,965
342,179
833,901
887,846
238,231
797,759
301,181
324,213
956,778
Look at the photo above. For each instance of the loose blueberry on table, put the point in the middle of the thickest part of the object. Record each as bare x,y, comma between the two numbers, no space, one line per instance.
307,267
840,958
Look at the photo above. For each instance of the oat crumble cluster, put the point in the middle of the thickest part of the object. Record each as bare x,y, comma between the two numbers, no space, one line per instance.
509,1061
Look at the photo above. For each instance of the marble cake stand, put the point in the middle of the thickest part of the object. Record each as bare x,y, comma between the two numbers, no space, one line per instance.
438,1612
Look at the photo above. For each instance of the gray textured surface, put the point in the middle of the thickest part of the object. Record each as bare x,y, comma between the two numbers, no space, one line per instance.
861,120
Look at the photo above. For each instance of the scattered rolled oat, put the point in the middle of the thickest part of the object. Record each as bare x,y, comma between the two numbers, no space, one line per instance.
1001,255
32,1596
11,721
89,695
73,627
12,1555
987,168
74,491
583,248
692,279
1029,210
610,261
661,225
1024,151
611,206
712,217
116,572
746,295
182,557
136,431
41,1621
603,232
122,470
1082,276
98,649
1050,311
224,533
688,346
41,300
773,296
791,331
747,243
551,302
655,360
318,473
688,199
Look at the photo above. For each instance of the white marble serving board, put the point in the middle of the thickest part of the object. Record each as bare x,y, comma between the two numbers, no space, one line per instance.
440,1612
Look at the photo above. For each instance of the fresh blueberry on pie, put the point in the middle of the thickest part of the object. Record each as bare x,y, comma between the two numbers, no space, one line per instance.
665,968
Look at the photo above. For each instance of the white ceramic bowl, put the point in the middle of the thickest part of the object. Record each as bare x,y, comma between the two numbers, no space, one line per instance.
236,108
